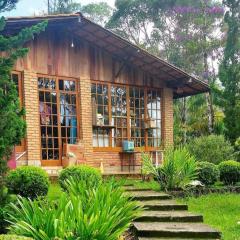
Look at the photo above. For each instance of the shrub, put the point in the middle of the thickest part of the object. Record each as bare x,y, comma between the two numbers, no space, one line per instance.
83,213
81,172
229,172
2,221
28,181
14,237
212,148
179,168
208,173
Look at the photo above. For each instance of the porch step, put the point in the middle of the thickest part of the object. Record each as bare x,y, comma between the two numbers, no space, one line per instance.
169,216
149,195
164,205
53,171
175,230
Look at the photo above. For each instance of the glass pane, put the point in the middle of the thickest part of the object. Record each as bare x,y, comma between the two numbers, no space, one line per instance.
40,82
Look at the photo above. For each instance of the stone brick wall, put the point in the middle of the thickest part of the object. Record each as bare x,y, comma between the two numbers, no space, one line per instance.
30,86
167,117
86,132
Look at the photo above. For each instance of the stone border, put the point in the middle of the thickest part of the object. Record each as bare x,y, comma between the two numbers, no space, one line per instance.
197,192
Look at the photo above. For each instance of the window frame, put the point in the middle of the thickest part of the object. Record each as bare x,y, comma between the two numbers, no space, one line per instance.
58,162
128,86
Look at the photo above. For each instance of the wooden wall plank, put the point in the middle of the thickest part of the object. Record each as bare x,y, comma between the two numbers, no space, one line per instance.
51,53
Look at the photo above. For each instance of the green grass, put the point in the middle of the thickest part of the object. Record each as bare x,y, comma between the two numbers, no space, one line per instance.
221,211
54,191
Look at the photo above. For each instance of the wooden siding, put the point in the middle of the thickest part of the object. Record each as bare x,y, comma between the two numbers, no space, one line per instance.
51,53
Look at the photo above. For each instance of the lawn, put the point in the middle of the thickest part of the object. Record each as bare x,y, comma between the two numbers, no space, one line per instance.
221,211
54,191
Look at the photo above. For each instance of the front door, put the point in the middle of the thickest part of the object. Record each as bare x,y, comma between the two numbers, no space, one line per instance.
58,110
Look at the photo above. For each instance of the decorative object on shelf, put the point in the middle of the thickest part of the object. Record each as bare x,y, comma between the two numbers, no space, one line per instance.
128,146
150,123
100,120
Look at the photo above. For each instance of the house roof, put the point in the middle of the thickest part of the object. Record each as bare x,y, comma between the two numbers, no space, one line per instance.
181,82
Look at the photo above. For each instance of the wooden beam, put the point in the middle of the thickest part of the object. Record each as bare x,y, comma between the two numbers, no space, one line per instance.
122,66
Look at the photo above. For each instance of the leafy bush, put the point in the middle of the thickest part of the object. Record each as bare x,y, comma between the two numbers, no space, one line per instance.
14,237
104,212
229,172
2,221
28,181
179,168
212,148
82,172
208,173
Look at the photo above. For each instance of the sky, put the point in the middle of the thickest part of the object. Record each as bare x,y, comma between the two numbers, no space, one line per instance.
31,7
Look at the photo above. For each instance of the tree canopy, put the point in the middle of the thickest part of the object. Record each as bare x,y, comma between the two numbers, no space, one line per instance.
12,124
230,71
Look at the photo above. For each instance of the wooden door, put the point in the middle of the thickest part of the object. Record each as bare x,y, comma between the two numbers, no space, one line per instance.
58,117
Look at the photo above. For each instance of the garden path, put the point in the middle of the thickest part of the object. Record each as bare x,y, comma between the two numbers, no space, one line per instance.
163,218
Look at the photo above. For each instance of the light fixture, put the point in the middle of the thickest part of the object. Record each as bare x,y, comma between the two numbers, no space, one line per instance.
72,44
190,80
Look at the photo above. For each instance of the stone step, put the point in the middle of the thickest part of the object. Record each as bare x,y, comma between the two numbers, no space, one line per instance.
128,185
169,216
149,195
163,238
134,189
175,230
163,205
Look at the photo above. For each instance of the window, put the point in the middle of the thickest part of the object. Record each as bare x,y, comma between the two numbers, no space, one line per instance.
125,113
136,99
100,108
58,115
119,115
153,119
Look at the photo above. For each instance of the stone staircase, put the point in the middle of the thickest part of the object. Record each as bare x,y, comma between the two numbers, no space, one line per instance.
163,218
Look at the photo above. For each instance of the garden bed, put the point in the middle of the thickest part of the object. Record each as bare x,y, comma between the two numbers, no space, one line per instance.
204,191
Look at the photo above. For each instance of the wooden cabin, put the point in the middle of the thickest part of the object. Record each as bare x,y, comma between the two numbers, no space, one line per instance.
91,97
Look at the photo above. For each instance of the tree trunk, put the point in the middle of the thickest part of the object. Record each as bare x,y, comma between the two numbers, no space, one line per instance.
208,96
210,112
184,120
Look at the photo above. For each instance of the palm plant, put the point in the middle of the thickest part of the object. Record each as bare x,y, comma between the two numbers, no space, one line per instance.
179,168
103,212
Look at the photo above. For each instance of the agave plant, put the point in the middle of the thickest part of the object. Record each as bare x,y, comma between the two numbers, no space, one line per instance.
103,212
179,168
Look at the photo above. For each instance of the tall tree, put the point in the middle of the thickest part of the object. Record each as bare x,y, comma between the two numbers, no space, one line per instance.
187,33
62,6
12,125
97,12
7,5
230,70
198,42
